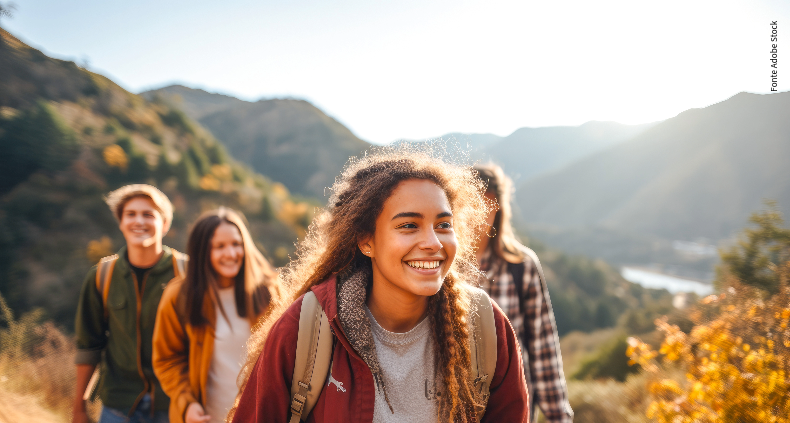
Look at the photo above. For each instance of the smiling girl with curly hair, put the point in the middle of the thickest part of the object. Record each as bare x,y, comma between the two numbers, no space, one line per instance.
391,260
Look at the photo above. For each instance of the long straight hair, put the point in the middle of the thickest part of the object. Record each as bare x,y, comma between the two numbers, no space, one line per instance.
256,286
503,242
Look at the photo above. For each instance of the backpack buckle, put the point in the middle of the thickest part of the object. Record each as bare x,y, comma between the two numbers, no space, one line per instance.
480,379
297,405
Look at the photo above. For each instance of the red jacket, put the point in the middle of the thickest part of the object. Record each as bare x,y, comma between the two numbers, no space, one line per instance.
267,397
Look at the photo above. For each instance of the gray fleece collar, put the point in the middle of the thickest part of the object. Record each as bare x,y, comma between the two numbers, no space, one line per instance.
351,297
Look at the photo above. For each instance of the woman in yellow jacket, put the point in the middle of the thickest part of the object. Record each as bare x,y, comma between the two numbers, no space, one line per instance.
205,319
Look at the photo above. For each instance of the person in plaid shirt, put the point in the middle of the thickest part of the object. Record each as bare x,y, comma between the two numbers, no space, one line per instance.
513,281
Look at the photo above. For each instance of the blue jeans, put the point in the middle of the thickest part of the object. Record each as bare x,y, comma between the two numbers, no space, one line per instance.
142,414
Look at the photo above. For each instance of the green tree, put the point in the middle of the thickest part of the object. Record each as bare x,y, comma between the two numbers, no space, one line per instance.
757,256
609,361
35,139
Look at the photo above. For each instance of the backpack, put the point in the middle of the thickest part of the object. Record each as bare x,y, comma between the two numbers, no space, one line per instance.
517,270
104,280
314,352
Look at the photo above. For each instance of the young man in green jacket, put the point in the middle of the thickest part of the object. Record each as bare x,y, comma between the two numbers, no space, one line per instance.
117,311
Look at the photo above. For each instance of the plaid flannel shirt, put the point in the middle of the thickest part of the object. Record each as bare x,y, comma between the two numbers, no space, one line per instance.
536,330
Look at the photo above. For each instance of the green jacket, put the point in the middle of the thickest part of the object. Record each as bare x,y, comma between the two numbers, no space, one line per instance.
122,344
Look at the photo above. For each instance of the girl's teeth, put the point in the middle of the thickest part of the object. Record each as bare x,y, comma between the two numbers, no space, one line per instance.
424,264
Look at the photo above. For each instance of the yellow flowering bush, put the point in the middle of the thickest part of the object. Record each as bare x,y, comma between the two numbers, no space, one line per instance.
99,248
223,172
209,182
736,359
115,156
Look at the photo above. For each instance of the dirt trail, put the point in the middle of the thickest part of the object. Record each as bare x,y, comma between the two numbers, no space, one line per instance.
16,408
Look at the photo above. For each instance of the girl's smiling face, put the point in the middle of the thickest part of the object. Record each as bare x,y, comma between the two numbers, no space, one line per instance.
414,244
227,253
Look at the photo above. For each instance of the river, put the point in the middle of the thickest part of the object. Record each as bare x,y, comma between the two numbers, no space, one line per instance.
670,283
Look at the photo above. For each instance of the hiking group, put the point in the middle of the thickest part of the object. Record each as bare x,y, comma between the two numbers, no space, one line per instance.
384,314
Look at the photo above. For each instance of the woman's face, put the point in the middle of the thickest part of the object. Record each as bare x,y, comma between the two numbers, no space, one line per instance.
414,243
227,253
494,207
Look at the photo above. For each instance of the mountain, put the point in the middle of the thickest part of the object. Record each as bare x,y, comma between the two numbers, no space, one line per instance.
288,140
698,175
69,136
475,143
195,103
529,152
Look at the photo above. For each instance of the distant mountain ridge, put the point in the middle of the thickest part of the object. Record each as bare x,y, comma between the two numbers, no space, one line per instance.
196,103
529,152
697,175
289,140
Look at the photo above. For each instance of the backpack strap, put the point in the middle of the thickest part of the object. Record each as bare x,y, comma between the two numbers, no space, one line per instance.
179,263
482,346
313,356
104,278
516,270
531,254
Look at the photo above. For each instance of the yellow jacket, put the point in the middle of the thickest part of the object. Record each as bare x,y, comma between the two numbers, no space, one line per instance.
182,353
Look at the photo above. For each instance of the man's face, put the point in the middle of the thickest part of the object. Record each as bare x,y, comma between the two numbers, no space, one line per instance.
141,223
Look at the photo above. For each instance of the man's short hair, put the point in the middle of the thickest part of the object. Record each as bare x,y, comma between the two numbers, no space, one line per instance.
117,200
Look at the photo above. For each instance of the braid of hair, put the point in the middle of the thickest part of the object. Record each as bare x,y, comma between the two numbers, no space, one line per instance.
453,359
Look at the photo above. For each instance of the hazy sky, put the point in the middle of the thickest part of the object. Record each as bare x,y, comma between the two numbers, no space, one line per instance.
419,68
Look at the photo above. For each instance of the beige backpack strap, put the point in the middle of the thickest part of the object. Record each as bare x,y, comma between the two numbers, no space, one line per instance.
482,346
313,356
531,254
179,263
104,278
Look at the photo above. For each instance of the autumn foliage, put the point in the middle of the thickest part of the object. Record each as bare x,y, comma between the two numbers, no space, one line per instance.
736,359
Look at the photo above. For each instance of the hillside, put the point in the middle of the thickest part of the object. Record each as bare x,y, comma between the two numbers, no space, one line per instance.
288,140
696,176
475,143
529,152
195,103
67,137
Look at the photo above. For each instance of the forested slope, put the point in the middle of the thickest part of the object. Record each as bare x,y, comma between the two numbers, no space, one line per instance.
288,140
67,137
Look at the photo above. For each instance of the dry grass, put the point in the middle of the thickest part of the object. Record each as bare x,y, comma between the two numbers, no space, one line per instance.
37,372
600,401
608,401
577,346
16,408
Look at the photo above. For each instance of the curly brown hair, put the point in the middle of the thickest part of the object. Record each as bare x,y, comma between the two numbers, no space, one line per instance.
331,246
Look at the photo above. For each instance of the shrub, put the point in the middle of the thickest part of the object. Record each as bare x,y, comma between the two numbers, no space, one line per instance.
608,401
34,140
32,358
755,259
178,120
609,362
737,354
737,364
